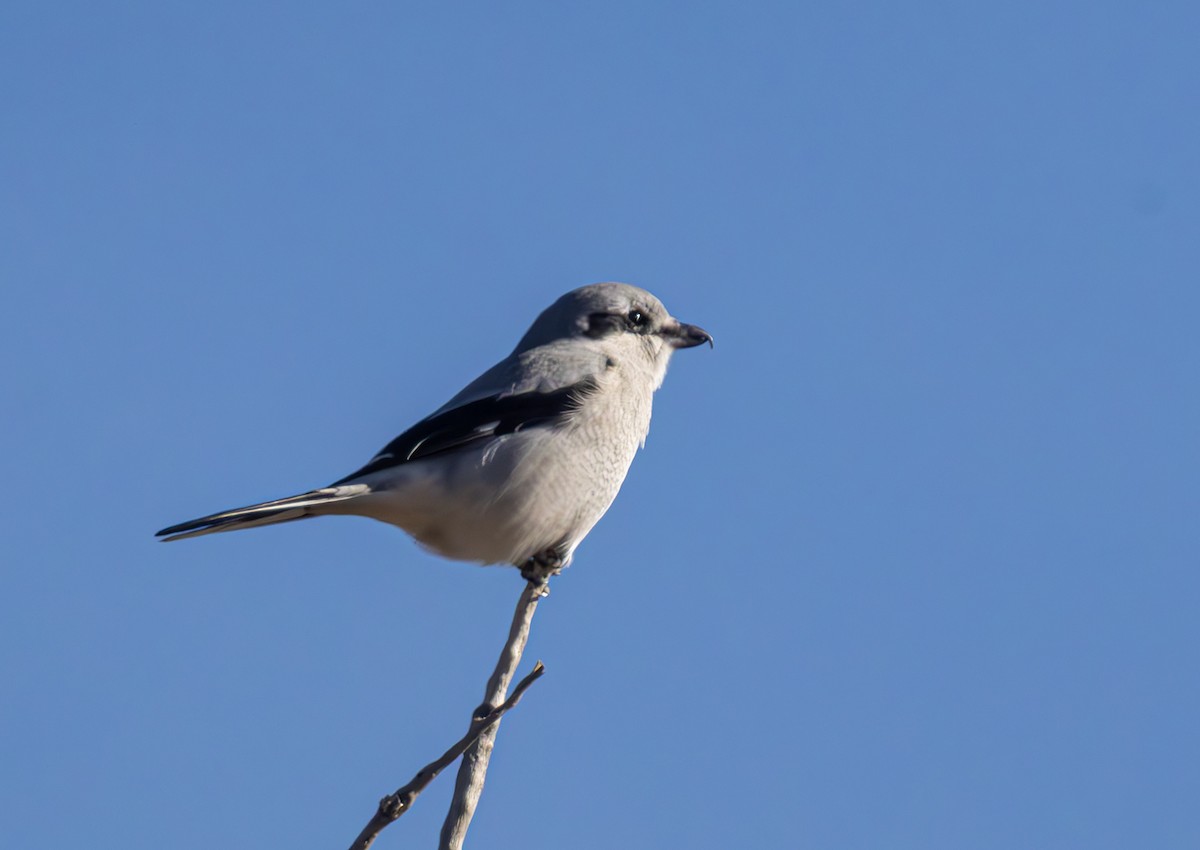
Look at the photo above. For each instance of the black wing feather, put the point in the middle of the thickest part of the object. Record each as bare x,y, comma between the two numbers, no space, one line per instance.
476,421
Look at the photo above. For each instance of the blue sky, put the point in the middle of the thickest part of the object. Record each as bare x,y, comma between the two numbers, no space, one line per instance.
910,559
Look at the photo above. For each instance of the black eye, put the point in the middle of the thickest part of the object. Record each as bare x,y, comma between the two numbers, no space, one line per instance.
636,318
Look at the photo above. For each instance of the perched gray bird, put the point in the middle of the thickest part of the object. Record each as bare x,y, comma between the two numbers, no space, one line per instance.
520,465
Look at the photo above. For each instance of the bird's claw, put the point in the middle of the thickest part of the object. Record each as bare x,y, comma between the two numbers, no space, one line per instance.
538,569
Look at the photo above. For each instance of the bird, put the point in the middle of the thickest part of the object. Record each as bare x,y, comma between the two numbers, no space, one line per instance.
520,465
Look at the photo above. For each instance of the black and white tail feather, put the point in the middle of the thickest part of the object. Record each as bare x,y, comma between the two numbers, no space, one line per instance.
265,513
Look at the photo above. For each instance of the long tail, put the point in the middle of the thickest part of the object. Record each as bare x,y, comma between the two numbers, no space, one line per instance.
264,513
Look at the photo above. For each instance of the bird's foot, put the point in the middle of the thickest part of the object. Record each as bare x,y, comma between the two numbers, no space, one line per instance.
482,713
538,569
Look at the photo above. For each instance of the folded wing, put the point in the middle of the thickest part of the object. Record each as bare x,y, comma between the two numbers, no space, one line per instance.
474,422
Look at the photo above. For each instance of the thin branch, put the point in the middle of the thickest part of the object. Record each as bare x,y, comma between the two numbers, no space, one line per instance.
396,804
468,786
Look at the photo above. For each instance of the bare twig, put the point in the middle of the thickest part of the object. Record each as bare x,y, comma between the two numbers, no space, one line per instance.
468,786
396,804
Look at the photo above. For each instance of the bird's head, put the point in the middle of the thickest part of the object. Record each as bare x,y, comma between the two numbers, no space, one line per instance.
625,321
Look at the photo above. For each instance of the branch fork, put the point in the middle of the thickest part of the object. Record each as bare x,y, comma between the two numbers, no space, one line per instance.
476,745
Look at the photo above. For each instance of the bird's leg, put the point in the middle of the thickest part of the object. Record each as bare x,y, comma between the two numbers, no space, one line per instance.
538,569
